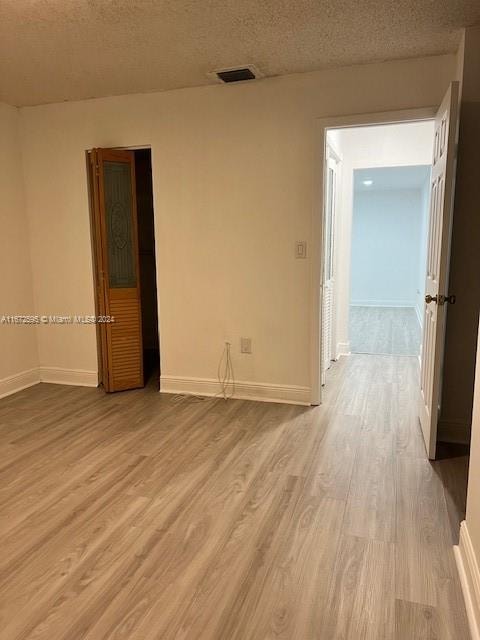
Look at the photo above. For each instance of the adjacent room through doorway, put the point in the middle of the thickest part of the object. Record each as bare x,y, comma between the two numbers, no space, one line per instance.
388,259
381,247
377,194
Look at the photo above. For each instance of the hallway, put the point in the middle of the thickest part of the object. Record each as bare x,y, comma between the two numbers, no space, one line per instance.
384,331
137,516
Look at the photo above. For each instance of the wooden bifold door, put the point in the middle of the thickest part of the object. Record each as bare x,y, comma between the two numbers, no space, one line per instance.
115,245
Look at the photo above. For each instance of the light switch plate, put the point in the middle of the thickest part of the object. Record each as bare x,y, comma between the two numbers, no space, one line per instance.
301,249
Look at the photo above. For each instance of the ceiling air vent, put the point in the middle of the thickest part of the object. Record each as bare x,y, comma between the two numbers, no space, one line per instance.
236,74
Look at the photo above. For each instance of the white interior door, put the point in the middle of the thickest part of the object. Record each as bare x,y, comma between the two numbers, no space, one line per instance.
328,272
438,255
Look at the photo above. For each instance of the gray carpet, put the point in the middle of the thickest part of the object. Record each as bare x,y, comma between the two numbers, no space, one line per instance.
384,330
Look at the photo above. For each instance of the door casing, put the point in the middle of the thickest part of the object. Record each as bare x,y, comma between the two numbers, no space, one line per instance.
328,336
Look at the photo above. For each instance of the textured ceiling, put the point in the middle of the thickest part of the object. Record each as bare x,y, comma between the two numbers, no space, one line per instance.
54,50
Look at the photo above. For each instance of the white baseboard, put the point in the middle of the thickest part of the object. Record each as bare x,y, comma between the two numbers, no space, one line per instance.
243,390
19,381
457,431
382,303
343,349
419,316
25,379
469,573
78,377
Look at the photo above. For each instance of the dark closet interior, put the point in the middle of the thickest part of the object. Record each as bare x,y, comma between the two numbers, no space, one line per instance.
148,273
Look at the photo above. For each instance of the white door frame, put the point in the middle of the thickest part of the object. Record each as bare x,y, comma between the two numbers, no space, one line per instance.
332,162
318,218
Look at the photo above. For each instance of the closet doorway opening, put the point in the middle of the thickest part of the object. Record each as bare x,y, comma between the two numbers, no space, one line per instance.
123,240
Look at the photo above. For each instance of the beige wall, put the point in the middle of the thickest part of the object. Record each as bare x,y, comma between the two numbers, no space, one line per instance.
18,351
462,318
473,498
467,198
235,184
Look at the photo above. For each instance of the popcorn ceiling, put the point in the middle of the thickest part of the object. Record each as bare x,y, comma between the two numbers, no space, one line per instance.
55,50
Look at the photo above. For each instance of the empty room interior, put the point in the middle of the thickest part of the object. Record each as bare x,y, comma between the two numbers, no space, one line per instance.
389,240
239,314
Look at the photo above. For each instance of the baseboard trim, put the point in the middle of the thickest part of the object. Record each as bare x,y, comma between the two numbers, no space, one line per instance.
343,349
419,317
243,390
19,381
383,303
457,431
75,377
469,573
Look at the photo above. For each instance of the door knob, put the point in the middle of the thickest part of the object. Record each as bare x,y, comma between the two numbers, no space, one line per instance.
440,299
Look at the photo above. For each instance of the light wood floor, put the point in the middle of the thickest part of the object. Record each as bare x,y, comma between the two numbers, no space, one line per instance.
131,516
384,331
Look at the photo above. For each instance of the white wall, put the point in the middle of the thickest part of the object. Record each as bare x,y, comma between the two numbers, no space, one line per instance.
18,350
367,147
385,259
473,501
234,186
468,551
462,318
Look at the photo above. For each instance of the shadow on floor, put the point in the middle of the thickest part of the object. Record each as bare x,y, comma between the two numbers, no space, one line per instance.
451,466
151,368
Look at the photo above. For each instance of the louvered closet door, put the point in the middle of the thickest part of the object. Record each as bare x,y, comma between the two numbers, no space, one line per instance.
328,275
118,285
438,255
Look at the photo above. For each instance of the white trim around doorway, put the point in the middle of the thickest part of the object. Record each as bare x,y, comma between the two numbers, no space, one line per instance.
318,214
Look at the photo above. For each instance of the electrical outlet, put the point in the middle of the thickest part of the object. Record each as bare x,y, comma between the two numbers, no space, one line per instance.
245,345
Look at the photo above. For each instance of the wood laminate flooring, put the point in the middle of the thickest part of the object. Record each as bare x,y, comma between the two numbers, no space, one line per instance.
134,516
384,331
